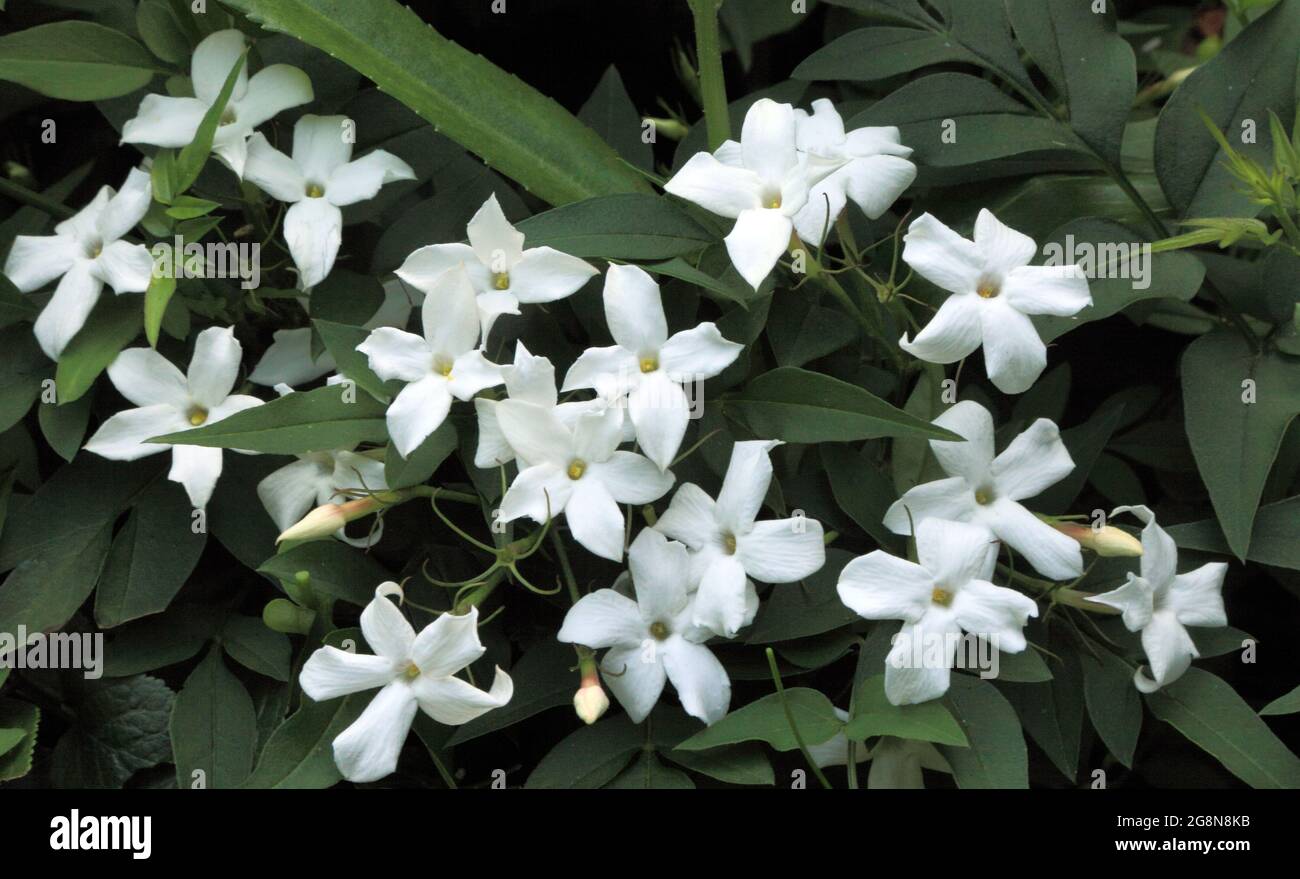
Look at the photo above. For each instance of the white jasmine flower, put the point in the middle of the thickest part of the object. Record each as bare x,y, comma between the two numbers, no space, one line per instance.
730,546
170,402
85,252
761,182
504,273
443,365
948,592
412,671
868,165
994,290
986,491
575,469
651,639
172,122
317,181
647,365
319,478
1161,603
896,763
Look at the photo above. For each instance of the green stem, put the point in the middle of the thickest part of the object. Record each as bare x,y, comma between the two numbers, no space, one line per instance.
34,199
713,89
480,593
789,718
442,770
1060,595
565,567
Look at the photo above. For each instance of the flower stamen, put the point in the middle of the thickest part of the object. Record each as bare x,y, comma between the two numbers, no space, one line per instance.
576,468
197,416
941,597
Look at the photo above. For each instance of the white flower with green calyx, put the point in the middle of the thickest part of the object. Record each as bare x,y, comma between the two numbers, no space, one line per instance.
171,402
316,182
318,478
647,365
173,121
994,291
1160,603
728,546
896,763
651,639
85,252
505,274
412,671
947,593
987,491
445,364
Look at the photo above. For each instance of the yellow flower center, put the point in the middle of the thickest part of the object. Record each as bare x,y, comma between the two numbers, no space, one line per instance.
649,364
729,542
501,280
315,190
658,631
983,496
198,415
577,467
941,597
227,117
412,671
774,202
988,289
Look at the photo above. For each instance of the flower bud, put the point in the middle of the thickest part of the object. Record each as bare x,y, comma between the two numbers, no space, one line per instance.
1107,542
590,701
329,518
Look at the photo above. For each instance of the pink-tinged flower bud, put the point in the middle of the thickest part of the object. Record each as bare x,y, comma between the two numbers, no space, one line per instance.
329,518
1107,542
590,701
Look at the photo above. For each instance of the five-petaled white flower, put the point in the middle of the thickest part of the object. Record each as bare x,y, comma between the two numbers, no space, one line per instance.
986,491
896,763
728,545
762,182
652,640
504,273
172,122
318,478
317,181
948,592
86,252
413,671
868,165
170,402
994,290
445,364
576,469
1161,603
647,364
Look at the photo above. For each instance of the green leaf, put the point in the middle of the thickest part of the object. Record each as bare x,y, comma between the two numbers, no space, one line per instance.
873,53
610,113
510,125
628,227
299,754
46,589
873,715
402,472
1052,713
162,31
1215,719
648,773
75,61
799,406
860,490
336,569
1272,537
1113,702
733,764
346,297
589,757
160,640
1235,441
213,727
996,757
765,720
24,366
249,642
16,760
341,342
121,728
187,207
192,157
112,325
64,427
1288,704
156,297
544,679
800,331
332,417
1254,73
810,607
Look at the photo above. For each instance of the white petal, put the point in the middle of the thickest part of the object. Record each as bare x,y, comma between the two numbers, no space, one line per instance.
214,366
941,256
1035,460
994,613
745,485
595,520
492,305
492,450
950,498
386,629
879,586
320,145
1014,355
530,378
1159,561
1197,596
767,139
1052,554
122,437
635,675
417,411
894,767
423,267
273,172
691,517
453,701
35,260
719,604
146,378
1134,600
819,131
288,493
660,412
1003,247
538,492
717,187
397,354
757,241
631,478
634,310
956,552
534,433
470,373
783,550
660,571
1169,651
450,314
213,58
368,749
970,459
272,90
197,468
876,182
330,673
918,666
613,367
313,229
288,360
361,179
164,121
127,268
697,353
127,207
700,680
84,224
544,274
496,242
602,619
448,644
953,333
66,312
596,433
1058,290
817,217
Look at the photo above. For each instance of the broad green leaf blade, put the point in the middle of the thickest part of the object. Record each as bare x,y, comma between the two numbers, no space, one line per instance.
121,728
544,678
799,406
590,757
510,125
1113,703
332,417
16,761
112,325
64,427
76,61
860,490
24,366
1211,714
733,764
402,472
213,728
300,753
341,342
873,715
873,53
996,757
649,773
765,721
249,642
192,157
161,289
610,113
1238,406
1288,704
1272,539
810,607
1052,713
336,569
626,227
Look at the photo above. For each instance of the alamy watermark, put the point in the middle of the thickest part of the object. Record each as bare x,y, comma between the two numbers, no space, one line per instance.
53,650
1106,259
214,259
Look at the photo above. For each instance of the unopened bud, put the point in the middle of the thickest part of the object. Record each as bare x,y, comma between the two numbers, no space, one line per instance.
329,518
590,701
1107,542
